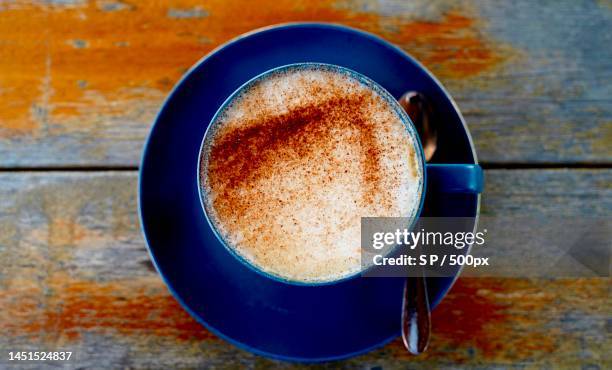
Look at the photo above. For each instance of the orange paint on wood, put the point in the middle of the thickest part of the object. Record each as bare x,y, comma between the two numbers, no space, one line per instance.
465,315
451,48
463,320
69,68
65,232
499,320
483,320
71,308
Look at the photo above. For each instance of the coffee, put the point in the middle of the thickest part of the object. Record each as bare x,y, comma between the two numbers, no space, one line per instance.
294,160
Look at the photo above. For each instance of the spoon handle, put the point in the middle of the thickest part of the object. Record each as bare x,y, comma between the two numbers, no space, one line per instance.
416,317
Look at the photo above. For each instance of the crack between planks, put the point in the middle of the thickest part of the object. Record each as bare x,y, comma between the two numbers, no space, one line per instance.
111,168
543,165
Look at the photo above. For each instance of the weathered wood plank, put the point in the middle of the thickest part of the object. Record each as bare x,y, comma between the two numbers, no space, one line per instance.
74,275
80,82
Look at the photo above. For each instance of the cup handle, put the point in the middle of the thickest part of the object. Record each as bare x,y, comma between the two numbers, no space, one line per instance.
455,178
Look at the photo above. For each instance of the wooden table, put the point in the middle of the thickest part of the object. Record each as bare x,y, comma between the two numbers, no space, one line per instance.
80,83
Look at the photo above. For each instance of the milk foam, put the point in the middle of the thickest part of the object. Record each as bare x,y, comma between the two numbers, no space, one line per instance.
293,163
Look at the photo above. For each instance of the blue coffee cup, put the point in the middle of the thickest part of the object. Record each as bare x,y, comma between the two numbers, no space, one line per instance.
443,178
256,313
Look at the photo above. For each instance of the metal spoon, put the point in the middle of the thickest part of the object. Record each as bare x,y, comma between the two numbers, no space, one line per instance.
421,114
416,315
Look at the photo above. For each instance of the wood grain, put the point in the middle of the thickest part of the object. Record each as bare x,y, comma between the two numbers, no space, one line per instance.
81,81
75,275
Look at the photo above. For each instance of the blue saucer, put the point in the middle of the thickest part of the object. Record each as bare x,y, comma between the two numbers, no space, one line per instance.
267,317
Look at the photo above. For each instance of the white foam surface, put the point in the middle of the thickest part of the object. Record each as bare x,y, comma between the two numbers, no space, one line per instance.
296,161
